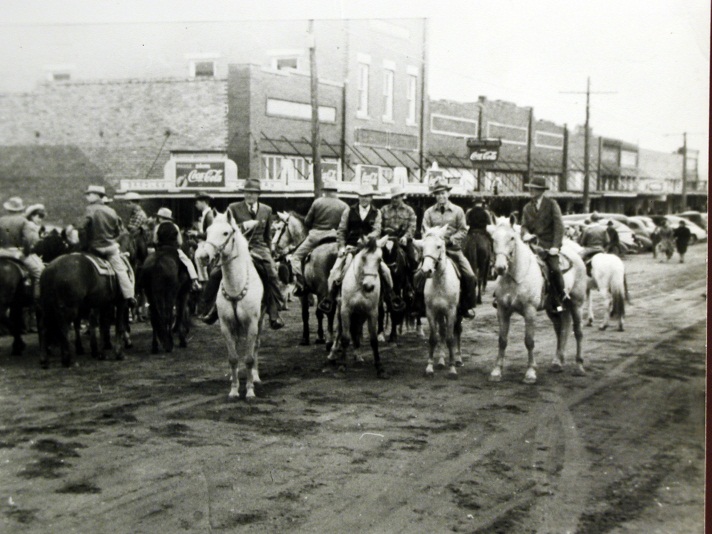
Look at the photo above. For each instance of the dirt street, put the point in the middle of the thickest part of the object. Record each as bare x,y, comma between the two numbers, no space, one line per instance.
151,444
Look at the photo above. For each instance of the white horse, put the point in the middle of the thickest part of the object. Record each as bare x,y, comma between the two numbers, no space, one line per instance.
239,301
441,292
520,288
360,294
608,275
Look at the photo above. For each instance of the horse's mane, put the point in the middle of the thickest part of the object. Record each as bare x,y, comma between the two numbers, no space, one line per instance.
297,216
368,245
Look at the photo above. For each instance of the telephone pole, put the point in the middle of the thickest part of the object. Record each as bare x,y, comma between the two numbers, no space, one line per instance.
316,137
684,172
586,141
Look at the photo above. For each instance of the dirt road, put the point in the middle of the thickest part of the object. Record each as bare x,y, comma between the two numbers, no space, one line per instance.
151,444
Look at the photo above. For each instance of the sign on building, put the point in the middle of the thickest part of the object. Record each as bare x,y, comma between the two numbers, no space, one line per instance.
200,175
483,152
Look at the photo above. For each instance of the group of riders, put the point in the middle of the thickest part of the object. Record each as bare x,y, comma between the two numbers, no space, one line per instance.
328,217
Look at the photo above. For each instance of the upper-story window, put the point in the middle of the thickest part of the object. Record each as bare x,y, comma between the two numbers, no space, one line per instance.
59,73
288,59
388,76
412,92
363,73
202,65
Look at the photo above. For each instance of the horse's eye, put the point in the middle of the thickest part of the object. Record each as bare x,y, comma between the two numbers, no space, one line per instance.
224,233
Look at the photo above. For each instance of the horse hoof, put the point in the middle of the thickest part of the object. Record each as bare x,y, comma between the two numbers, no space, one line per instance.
329,346
429,373
589,323
233,397
459,362
603,327
154,350
66,363
529,380
128,345
495,378
319,341
621,329
579,371
556,367
452,375
44,365
120,357
381,338
440,366
304,342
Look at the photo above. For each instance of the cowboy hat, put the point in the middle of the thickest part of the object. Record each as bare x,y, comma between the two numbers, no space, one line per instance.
251,186
366,190
35,208
14,204
132,195
330,185
537,182
202,195
96,189
439,184
165,213
397,191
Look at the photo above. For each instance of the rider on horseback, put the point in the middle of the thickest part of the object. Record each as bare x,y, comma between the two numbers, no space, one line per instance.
444,212
104,226
399,221
593,239
138,219
322,220
478,219
19,233
167,234
541,218
357,222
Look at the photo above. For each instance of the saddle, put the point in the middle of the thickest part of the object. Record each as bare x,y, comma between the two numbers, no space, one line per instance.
102,266
587,255
323,241
17,262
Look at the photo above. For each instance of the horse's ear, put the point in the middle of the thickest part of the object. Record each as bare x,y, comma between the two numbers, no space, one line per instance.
382,241
418,243
512,220
283,216
228,215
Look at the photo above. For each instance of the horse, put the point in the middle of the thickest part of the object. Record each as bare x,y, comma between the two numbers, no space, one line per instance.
166,284
316,273
13,297
239,303
360,294
70,289
395,258
441,292
478,250
608,275
521,288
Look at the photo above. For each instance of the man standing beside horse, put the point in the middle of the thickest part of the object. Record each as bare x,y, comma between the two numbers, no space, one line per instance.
18,236
322,221
541,218
103,226
444,212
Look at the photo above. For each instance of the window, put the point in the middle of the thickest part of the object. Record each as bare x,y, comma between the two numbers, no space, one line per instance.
204,69
362,90
286,169
202,65
412,92
388,95
60,76
287,63
59,73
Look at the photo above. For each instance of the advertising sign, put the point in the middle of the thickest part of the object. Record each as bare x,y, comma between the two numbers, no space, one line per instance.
483,151
369,175
200,175
330,170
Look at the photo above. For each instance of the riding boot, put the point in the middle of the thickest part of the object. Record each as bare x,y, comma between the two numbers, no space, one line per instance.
299,285
467,296
557,296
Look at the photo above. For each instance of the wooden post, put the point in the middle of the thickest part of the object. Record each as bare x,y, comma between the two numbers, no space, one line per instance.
316,137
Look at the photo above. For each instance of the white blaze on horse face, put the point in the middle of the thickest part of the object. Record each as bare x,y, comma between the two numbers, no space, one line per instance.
369,266
504,241
433,246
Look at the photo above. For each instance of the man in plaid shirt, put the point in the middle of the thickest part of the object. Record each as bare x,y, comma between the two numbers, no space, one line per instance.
398,219
138,218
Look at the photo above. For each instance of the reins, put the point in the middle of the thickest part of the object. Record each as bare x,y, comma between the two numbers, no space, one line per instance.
224,262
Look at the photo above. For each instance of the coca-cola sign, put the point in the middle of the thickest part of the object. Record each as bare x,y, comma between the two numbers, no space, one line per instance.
200,175
483,151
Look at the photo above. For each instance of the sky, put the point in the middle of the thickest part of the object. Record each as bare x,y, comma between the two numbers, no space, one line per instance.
648,60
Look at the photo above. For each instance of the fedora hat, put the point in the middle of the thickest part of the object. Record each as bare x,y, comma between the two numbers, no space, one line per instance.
330,185
397,191
439,184
252,186
537,182
132,195
96,189
165,213
14,204
35,208
202,195
366,190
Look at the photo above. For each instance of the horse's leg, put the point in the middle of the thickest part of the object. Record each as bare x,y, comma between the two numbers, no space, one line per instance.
562,326
529,329
606,294
381,316
320,340
432,342
330,330
451,340
16,323
304,299
419,328
504,317
251,349
96,353
589,298
231,343
458,337
182,318
578,335
155,325
373,338
256,350
78,346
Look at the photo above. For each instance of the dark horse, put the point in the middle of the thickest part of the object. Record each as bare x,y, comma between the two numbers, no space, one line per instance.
71,289
13,297
395,258
477,248
166,284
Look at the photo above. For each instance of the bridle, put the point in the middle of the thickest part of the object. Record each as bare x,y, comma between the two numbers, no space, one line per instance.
219,251
285,228
436,260
509,257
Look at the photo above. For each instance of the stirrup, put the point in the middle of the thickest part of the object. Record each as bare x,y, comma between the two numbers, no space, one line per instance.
326,305
397,304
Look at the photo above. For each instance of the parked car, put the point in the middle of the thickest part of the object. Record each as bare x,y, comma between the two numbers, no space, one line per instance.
583,216
625,234
640,227
700,219
698,234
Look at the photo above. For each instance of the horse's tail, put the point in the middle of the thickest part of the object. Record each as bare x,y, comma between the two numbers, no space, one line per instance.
625,286
619,294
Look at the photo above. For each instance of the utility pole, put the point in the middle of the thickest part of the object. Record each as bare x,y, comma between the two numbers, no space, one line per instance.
684,172
586,142
316,137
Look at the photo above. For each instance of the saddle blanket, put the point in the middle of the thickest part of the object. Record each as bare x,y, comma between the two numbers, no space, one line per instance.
102,266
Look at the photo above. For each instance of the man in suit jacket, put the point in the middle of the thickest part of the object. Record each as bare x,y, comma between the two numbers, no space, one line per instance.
255,222
541,218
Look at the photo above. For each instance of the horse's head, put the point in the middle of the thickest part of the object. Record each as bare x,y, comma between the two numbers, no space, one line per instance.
432,247
290,232
505,238
367,263
219,238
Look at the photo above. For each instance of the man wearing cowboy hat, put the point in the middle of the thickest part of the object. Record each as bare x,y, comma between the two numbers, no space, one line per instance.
138,220
360,221
255,222
399,220
167,234
444,212
103,226
541,218
322,221
19,234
